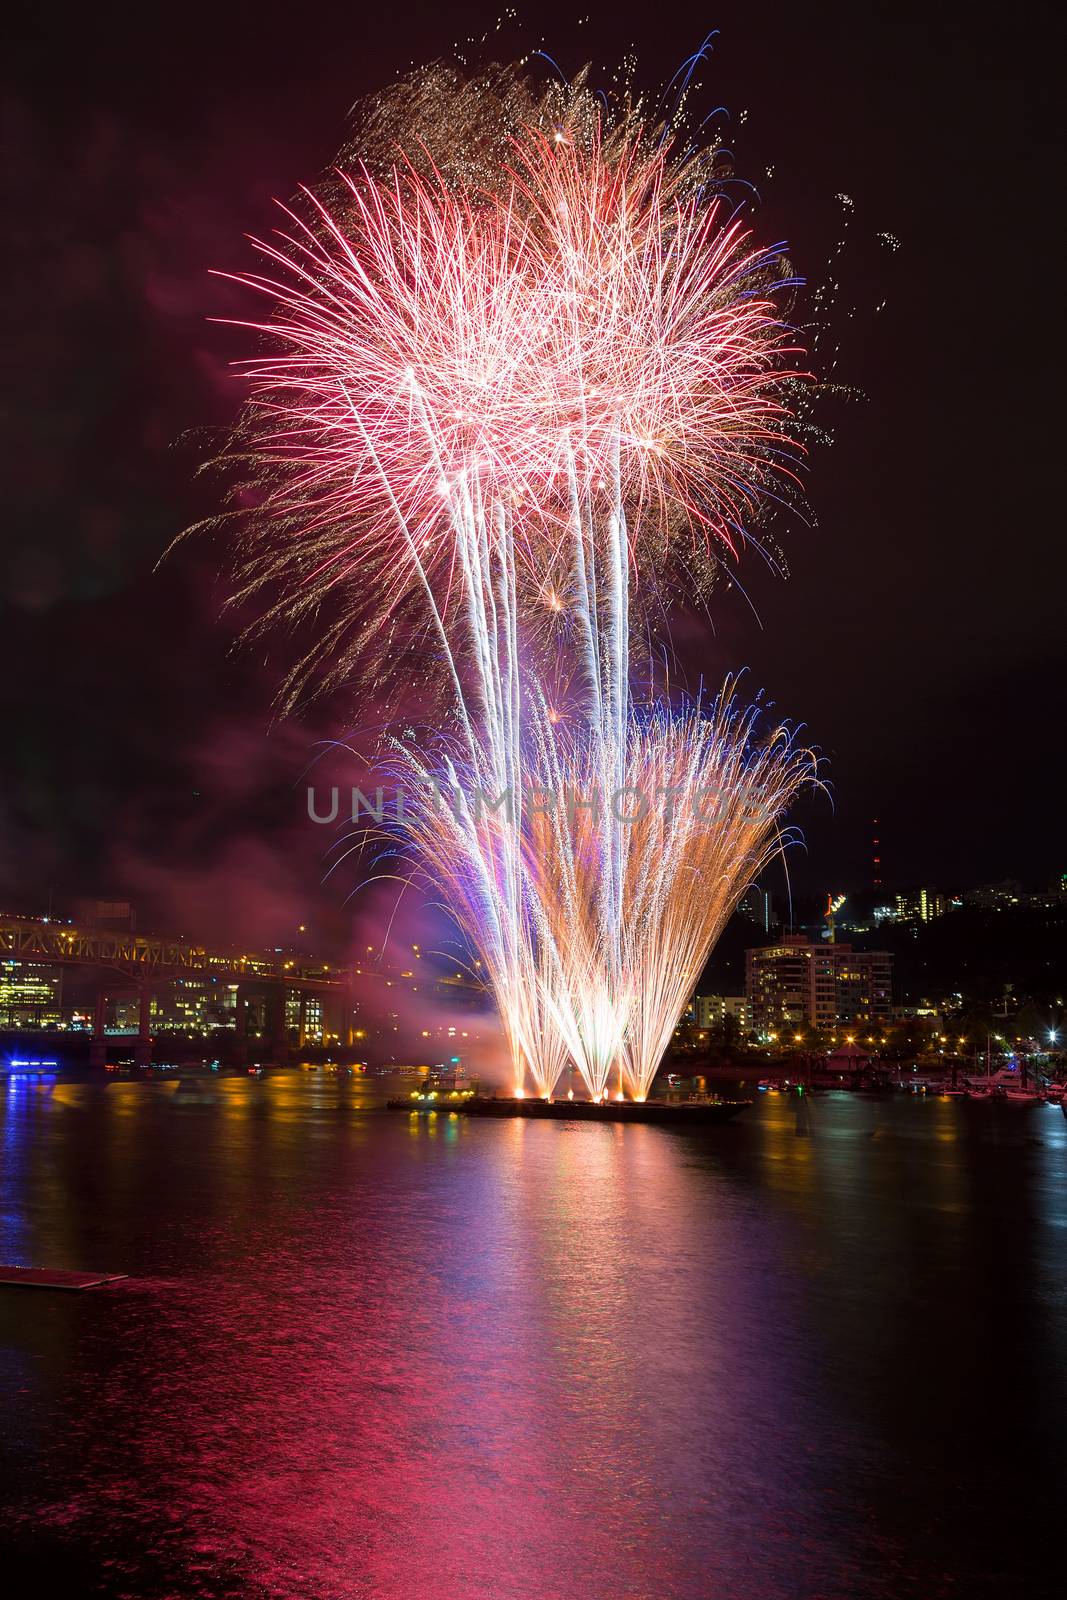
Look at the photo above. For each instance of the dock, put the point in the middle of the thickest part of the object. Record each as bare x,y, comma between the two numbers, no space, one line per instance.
49,1278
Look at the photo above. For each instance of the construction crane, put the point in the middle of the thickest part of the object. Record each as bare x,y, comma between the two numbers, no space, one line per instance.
833,906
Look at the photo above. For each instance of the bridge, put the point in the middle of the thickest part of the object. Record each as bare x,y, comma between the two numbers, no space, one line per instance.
150,955
145,963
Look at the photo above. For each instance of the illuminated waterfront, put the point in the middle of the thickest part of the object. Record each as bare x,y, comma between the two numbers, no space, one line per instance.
362,1354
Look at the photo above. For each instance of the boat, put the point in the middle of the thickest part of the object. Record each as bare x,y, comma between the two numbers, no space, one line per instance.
1018,1094
1010,1084
1007,1085
430,1098
980,1085
440,1090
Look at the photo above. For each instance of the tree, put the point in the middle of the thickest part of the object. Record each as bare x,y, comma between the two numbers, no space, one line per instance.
727,1031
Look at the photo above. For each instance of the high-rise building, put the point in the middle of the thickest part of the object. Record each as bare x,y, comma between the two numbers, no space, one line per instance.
922,905
304,1016
31,995
864,983
757,906
800,982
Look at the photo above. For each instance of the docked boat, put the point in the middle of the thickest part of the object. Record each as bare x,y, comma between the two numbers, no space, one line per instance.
432,1096
1008,1085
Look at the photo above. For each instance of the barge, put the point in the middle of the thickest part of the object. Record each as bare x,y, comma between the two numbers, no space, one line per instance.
697,1112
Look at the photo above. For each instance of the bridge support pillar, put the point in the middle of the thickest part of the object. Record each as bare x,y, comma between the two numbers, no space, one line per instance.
98,1042
276,1030
334,1020
240,1027
142,1054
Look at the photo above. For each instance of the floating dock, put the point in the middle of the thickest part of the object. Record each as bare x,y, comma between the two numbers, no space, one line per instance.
47,1278
666,1113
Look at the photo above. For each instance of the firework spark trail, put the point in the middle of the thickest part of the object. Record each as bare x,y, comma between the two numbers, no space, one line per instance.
578,975
593,923
688,867
567,387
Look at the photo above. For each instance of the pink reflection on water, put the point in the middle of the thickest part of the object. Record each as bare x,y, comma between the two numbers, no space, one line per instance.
401,1356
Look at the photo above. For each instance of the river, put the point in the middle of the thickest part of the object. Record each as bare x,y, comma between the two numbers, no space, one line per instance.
820,1352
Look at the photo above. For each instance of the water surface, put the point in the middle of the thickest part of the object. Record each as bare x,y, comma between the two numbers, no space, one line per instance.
821,1352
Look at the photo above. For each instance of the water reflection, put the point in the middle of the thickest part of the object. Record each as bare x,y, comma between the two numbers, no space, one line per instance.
376,1354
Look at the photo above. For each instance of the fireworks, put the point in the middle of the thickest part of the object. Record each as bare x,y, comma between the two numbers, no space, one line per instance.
585,967
592,333
502,418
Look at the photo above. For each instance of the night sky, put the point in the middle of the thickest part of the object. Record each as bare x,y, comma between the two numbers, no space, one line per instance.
919,635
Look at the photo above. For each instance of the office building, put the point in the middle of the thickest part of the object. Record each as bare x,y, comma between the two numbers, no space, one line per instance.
31,995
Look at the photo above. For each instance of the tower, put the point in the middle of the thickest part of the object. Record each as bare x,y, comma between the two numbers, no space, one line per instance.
876,856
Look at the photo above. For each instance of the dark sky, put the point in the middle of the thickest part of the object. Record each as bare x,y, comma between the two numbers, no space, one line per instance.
919,635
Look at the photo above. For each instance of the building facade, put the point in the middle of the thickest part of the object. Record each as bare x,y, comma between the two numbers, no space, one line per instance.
800,983
31,995
921,905
711,1010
